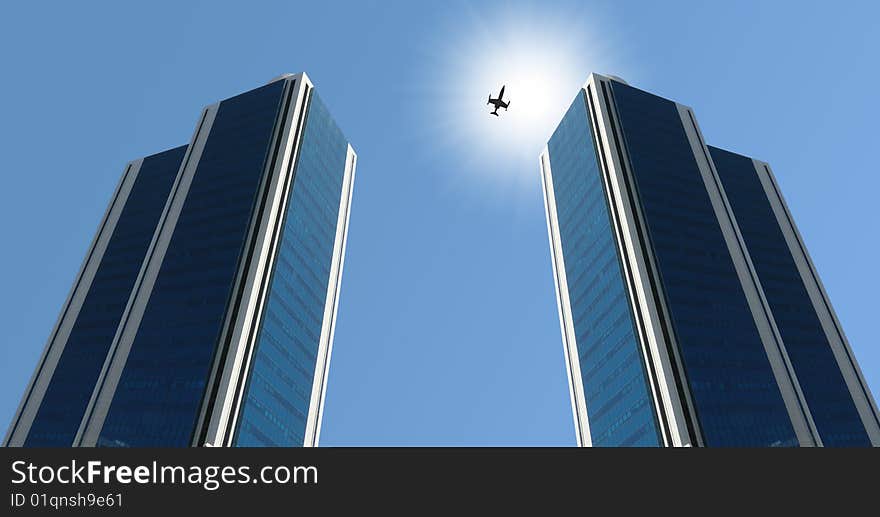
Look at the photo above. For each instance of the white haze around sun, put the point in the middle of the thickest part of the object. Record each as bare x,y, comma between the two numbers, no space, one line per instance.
541,60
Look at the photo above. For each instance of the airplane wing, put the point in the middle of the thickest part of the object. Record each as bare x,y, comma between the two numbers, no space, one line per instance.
502,104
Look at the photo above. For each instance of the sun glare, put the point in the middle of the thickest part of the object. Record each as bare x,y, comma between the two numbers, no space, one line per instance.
542,62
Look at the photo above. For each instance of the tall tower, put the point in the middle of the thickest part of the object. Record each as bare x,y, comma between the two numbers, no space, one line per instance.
691,314
205,308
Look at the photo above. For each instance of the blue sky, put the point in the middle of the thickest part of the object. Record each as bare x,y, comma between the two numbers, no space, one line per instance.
448,331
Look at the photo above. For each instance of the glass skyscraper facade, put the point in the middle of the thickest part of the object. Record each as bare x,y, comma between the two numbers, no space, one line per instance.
278,394
616,392
721,334
811,348
92,329
204,312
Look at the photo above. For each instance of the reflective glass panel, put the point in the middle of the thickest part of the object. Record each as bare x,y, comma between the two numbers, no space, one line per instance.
618,400
821,380
158,396
738,402
279,390
61,411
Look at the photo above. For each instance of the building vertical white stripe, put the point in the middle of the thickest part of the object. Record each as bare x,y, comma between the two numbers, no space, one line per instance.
569,344
328,328
640,266
224,411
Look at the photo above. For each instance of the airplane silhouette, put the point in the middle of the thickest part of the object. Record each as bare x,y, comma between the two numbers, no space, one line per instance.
498,103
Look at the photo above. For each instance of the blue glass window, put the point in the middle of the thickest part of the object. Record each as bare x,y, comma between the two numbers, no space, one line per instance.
618,400
738,402
158,396
821,380
71,386
279,389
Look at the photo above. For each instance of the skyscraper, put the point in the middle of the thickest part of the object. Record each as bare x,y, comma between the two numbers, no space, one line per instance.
204,310
691,313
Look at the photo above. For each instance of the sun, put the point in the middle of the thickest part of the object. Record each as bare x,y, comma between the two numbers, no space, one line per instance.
541,60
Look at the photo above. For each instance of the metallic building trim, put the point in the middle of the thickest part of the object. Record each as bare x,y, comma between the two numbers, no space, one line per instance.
39,382
222,420
615,206
217,399
328,328
239,382
569,345
684,425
